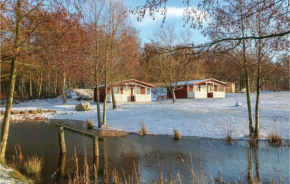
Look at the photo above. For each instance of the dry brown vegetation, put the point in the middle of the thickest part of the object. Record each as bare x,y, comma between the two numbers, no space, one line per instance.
228,137
90,124
33,165
275,139
177,135
143,130
88,174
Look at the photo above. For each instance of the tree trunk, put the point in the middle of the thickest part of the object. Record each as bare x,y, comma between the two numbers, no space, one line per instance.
257,118
105,102
12,78
63,88
98,103
30,86
172,91
55,85
22,89
250,115
114,99
40,85
173,96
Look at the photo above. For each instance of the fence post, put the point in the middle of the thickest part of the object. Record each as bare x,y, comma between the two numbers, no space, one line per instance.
61,139
96,147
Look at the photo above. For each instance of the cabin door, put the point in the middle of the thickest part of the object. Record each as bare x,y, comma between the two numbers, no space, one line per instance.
209,91
132,95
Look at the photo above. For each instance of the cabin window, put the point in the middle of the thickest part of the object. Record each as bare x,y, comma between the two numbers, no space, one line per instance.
148,91
138,90
210,88
116,90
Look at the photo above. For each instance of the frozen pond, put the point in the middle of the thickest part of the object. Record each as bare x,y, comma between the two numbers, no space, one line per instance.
41,138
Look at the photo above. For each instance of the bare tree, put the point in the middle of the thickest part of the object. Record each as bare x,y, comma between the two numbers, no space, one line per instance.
168,64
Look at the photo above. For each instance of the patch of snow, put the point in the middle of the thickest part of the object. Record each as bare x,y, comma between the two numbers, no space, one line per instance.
4,175
191,117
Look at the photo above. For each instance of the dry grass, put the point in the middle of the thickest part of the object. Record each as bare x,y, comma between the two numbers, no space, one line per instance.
275,139
228,137
33,165
89,175
90,124
177,135
143,130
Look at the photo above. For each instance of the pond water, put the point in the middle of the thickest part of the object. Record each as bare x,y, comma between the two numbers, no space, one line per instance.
41,138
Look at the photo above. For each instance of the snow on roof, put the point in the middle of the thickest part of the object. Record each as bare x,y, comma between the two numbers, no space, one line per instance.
191,82
130,81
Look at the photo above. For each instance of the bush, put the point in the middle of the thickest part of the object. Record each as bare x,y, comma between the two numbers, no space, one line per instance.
2,112
275,139
33,165
228,137
143,130
90,124
177,135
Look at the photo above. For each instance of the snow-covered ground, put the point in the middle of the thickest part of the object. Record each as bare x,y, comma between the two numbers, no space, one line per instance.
5,176
204,117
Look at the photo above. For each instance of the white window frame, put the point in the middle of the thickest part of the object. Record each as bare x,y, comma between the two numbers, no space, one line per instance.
116,90
148,89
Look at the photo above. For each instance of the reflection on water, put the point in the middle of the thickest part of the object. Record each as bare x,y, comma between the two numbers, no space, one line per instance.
236,161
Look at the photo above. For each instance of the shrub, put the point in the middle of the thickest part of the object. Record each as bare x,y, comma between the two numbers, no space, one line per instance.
90,124
33,165
143,130
177,135
275,139
228,137
2,112
47,110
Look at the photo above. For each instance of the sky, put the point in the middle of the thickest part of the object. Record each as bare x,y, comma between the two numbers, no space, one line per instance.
175,10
